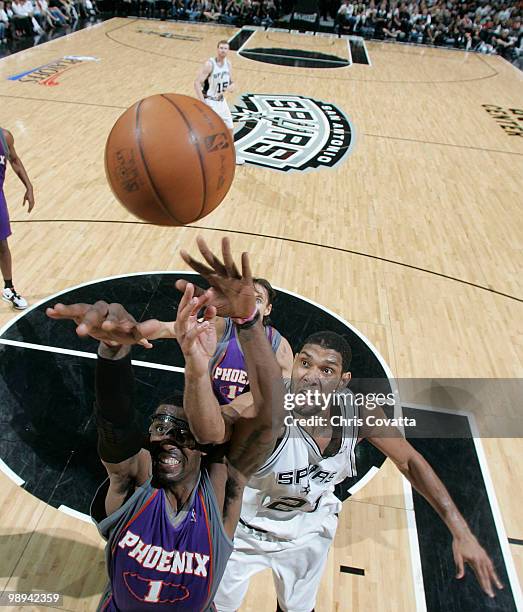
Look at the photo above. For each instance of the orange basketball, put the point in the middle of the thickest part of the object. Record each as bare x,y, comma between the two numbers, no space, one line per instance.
170,159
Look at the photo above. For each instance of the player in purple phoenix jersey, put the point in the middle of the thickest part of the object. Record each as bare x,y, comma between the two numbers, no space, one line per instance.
228,373
8,154
169,507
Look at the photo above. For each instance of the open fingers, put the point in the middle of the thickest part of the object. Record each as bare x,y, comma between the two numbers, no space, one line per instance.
195,264
460,566
210,257
188,294
195,331
246,268
494,576
93,318
181,284
230,266
139,339
188,304
483,577
71,311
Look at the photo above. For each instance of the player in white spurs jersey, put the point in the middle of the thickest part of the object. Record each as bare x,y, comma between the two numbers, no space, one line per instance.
289,512
212,83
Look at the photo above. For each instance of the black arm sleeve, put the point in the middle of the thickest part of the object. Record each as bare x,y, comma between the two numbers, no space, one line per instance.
119,437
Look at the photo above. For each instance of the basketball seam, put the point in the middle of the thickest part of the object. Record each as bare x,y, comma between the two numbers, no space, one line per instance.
197,146
138,133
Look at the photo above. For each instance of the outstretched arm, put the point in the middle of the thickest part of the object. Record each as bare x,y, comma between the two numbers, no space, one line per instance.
19,169
420,474
252,439
119,438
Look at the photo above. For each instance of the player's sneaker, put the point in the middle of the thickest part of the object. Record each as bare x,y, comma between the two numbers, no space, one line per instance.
10,295
239,161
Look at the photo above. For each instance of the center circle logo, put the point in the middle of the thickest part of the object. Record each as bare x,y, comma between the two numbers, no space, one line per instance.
291,133
48,442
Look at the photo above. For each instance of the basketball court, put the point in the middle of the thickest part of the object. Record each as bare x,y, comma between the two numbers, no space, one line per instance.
382,198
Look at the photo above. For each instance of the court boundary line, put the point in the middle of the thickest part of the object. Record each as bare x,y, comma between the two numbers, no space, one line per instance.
491,494
295,241
415,554
349,51
384,136
75,514
11,474
46,348
307,75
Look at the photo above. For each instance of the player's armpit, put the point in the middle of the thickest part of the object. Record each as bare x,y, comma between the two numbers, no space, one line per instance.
250,446
125,477
228,486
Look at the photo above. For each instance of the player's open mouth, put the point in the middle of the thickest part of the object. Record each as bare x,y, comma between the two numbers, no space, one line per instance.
169,461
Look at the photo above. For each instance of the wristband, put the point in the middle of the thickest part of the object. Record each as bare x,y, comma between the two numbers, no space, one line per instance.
247,320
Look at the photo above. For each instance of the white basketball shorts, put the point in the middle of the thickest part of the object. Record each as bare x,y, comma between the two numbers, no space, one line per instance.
221,108
297,567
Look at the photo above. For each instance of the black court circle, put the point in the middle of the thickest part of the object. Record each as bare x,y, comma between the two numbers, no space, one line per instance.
48,442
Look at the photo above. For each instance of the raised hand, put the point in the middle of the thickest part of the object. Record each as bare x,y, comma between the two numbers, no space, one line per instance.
109,323
197,339
231,292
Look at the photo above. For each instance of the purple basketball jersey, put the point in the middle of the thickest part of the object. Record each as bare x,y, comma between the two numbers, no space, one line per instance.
5,227
228,370
158,566
3,161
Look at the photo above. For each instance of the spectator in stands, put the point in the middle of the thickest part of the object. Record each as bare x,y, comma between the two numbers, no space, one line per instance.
4,23
504,43
345,16
194,10
210,10
47,18
21,19
231,12
58,10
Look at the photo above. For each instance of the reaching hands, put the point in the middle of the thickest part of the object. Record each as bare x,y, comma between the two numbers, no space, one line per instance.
231,292
197,339
108,323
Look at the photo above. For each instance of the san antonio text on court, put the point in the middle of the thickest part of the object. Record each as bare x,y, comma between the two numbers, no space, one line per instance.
337,420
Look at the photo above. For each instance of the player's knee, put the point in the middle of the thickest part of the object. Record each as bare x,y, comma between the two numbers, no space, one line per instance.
4,247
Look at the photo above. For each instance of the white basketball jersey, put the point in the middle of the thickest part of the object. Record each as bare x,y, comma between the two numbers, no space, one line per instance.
291,493
219,79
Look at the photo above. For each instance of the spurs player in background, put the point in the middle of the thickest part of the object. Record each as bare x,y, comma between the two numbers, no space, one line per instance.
212,83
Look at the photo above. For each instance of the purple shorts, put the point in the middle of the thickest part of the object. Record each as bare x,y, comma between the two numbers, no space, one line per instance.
5,226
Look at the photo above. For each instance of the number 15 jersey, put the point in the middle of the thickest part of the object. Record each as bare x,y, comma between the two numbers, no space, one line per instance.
218,80
292,492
